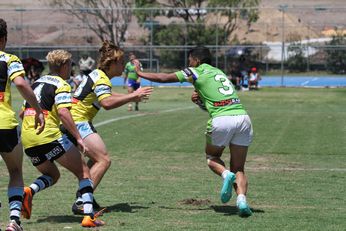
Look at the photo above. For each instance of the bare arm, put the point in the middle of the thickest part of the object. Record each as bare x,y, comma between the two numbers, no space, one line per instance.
117,99
27,93
156,77
159,77
66,119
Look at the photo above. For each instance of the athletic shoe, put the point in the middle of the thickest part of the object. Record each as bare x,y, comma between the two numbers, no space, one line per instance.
13,226
244,209
27,203
77,208
226,191
96,205
89,222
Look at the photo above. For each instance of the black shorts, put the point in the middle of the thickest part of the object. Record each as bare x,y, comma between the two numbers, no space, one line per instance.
9,138
50,151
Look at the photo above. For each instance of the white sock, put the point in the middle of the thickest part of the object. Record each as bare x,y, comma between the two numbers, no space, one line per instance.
241,197
224,174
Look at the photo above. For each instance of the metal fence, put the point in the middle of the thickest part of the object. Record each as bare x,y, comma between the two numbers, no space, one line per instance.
270,43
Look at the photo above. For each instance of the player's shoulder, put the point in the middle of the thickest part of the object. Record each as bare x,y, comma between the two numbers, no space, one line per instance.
9,58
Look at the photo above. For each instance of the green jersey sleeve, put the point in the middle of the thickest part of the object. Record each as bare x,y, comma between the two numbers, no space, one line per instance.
187,75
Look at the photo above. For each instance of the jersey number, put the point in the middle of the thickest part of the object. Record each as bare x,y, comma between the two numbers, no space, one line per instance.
227,88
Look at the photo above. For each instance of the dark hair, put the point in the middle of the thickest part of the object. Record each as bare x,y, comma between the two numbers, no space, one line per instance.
3,28
108,53
202,53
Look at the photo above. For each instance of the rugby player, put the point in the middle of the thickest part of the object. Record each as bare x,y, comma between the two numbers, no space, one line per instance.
12,71
228,126
54,96
133,80
94,93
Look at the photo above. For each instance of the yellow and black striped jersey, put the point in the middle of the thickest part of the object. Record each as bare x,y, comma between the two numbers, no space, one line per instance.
10,68
94,88
52,93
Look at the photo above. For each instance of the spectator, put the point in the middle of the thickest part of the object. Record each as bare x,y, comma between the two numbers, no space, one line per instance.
254,78
236,76
86,64
75,80
33,68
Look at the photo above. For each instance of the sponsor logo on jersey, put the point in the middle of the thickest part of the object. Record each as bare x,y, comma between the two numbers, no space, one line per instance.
63,98
226,102
2,96
102,89
32,112
14,67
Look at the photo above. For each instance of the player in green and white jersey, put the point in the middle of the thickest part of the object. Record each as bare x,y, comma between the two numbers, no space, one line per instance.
133,80
228,126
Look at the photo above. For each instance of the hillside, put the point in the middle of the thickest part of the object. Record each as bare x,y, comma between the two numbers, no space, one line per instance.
40,25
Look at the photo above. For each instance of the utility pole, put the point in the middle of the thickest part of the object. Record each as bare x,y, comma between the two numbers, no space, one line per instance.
282,8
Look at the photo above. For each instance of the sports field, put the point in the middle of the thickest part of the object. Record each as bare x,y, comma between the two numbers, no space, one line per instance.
159,179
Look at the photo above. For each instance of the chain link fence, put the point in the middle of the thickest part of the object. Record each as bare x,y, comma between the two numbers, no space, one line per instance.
284,39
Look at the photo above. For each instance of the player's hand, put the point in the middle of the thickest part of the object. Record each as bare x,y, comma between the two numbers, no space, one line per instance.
197,100
82,147
39,122
195,97
143,93
137,65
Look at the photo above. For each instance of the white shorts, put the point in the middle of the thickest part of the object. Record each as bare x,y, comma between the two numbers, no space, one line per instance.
225,130
85,129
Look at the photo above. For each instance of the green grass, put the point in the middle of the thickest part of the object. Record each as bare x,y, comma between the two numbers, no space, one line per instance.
159,179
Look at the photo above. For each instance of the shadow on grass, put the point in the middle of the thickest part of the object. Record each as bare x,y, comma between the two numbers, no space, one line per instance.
61,219
125,207
121,207
228,210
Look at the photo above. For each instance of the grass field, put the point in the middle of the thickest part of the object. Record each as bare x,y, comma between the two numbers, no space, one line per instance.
159,179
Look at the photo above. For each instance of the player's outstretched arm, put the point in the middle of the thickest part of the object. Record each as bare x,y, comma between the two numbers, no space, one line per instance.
117,100
27,93
157,77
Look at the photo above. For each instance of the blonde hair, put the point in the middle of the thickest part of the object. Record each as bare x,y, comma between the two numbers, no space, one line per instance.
57,58
108,53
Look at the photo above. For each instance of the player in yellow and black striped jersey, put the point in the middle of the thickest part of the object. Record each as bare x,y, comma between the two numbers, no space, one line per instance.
54,96
94,93
12,71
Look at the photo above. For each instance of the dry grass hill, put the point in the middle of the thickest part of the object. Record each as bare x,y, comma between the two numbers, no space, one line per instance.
41,25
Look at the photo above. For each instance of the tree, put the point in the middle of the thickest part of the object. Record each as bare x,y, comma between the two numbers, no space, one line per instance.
108,19
194,11
199,25
296,60
336,57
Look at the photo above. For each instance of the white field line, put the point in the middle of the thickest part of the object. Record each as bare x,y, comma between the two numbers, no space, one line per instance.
296,169
308,81
138,115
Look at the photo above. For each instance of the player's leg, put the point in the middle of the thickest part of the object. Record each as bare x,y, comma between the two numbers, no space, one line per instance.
218,167
130,90
50,175
74,162
238,149
217,136
137,85
13,160
99,155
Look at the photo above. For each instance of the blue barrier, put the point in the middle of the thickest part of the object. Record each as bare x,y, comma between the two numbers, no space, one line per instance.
267,81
